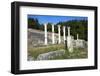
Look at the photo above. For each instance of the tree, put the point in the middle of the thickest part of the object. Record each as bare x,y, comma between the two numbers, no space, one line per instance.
77,27
33,23
49,27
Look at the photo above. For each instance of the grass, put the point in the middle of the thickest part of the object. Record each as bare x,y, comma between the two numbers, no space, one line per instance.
76,54
34,52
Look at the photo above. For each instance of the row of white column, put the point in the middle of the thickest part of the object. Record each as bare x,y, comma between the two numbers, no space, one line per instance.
69,37
53,34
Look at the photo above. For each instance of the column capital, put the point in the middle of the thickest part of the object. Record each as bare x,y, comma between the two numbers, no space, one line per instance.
59,25
64,26
45,23
68,27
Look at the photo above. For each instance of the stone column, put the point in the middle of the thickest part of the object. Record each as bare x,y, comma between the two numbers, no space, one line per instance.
59,34
64,34
53,39
45,34
69,41
68,31
77,37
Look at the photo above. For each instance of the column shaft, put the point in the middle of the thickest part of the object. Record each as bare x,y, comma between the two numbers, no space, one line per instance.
53,39
59,34
64,33
45,31
77,37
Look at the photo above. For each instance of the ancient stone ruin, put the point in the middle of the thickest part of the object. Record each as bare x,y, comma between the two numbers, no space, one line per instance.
71,42
43,38
50,55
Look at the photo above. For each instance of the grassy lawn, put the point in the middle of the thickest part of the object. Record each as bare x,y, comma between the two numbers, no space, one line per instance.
77,53
34,52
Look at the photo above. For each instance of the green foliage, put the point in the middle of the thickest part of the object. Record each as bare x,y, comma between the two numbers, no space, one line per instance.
34,52
33,23
77,27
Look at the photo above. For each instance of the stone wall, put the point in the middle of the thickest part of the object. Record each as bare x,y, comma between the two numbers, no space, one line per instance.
80,43
36,38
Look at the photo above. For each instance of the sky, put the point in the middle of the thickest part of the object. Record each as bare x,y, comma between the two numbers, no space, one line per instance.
55,19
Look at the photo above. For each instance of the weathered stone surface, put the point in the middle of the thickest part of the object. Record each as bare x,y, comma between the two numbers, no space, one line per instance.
36,38
72,43
70,40
50,55
80,43
30,58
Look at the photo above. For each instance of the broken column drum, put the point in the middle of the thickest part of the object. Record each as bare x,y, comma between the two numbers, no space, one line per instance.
69,41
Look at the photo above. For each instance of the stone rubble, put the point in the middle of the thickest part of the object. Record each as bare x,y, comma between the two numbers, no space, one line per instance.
50,55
